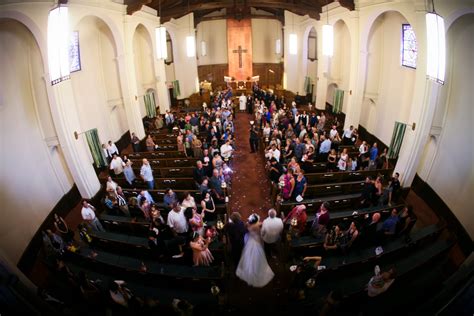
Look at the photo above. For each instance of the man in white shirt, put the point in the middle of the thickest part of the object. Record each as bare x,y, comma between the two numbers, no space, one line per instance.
275,153
227,150
177,221
333,132
147,175
112,149
88,215
117,165
272,227
347,136
363,148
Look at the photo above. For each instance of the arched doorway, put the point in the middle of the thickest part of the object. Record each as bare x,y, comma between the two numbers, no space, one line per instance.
144,65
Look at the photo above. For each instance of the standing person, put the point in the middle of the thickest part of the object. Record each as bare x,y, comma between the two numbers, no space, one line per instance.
253,140
150,144
116,165
129,173
177,221
112,148
272,227
236,230
147,174
88,215
201,254
62,227
135,142
253,266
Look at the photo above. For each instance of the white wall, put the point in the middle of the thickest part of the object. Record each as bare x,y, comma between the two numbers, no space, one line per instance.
265,32
448,162
144,69
339,66
32,178
388,84
102,106
214,34
185,68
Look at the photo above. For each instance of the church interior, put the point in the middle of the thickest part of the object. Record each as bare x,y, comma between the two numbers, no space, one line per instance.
169,135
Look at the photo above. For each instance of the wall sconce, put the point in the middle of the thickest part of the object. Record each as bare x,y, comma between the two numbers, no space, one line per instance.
190,46
278,46
203,48
293,44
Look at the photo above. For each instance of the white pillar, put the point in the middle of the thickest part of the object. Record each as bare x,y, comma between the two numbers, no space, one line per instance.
355,93
76,152
161,88
128,82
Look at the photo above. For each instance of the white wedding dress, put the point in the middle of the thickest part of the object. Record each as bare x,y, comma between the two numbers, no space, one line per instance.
253,267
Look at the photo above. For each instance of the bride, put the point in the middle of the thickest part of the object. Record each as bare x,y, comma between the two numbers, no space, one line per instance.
253,267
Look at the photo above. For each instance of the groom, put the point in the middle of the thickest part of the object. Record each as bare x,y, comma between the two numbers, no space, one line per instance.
236,231
271,231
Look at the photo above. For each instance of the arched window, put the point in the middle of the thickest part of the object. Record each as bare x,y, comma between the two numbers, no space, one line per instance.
409,46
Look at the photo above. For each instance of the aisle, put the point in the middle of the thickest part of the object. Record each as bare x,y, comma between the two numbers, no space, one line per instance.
250,184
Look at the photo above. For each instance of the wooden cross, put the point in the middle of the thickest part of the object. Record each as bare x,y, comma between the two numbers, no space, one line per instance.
239,51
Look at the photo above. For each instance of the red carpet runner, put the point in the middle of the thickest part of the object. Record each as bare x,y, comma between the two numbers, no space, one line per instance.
250,184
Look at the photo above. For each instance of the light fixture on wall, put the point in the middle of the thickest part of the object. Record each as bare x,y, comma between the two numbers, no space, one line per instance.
203,48
293,44
436,46
328,36
278,46
293,38
58,44
160,34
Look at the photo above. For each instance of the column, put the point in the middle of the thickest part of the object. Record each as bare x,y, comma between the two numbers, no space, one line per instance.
161,87
126,67
76,152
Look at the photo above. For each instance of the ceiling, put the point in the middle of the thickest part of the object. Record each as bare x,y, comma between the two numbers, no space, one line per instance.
236,9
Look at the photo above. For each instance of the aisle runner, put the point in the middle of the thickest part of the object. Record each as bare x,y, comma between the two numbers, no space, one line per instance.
250,183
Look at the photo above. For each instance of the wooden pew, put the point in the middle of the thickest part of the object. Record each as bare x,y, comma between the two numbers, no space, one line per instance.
162,161
126,265
164,172
347,176
340,188
136,246
157,154
344,218
336,203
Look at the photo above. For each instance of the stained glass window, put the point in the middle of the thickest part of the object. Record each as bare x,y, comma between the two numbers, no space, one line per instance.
74,53
409,46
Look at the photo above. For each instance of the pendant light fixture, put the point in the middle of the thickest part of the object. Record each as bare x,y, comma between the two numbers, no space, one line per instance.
328,36
160,33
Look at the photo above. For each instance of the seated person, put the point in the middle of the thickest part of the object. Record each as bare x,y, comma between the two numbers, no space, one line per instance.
216,185
370,230
334,239
170,198
406,221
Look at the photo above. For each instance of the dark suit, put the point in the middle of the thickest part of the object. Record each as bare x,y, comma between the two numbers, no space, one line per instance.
236,233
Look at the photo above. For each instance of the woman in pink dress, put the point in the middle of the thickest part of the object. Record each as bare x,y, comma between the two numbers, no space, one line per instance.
201,254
